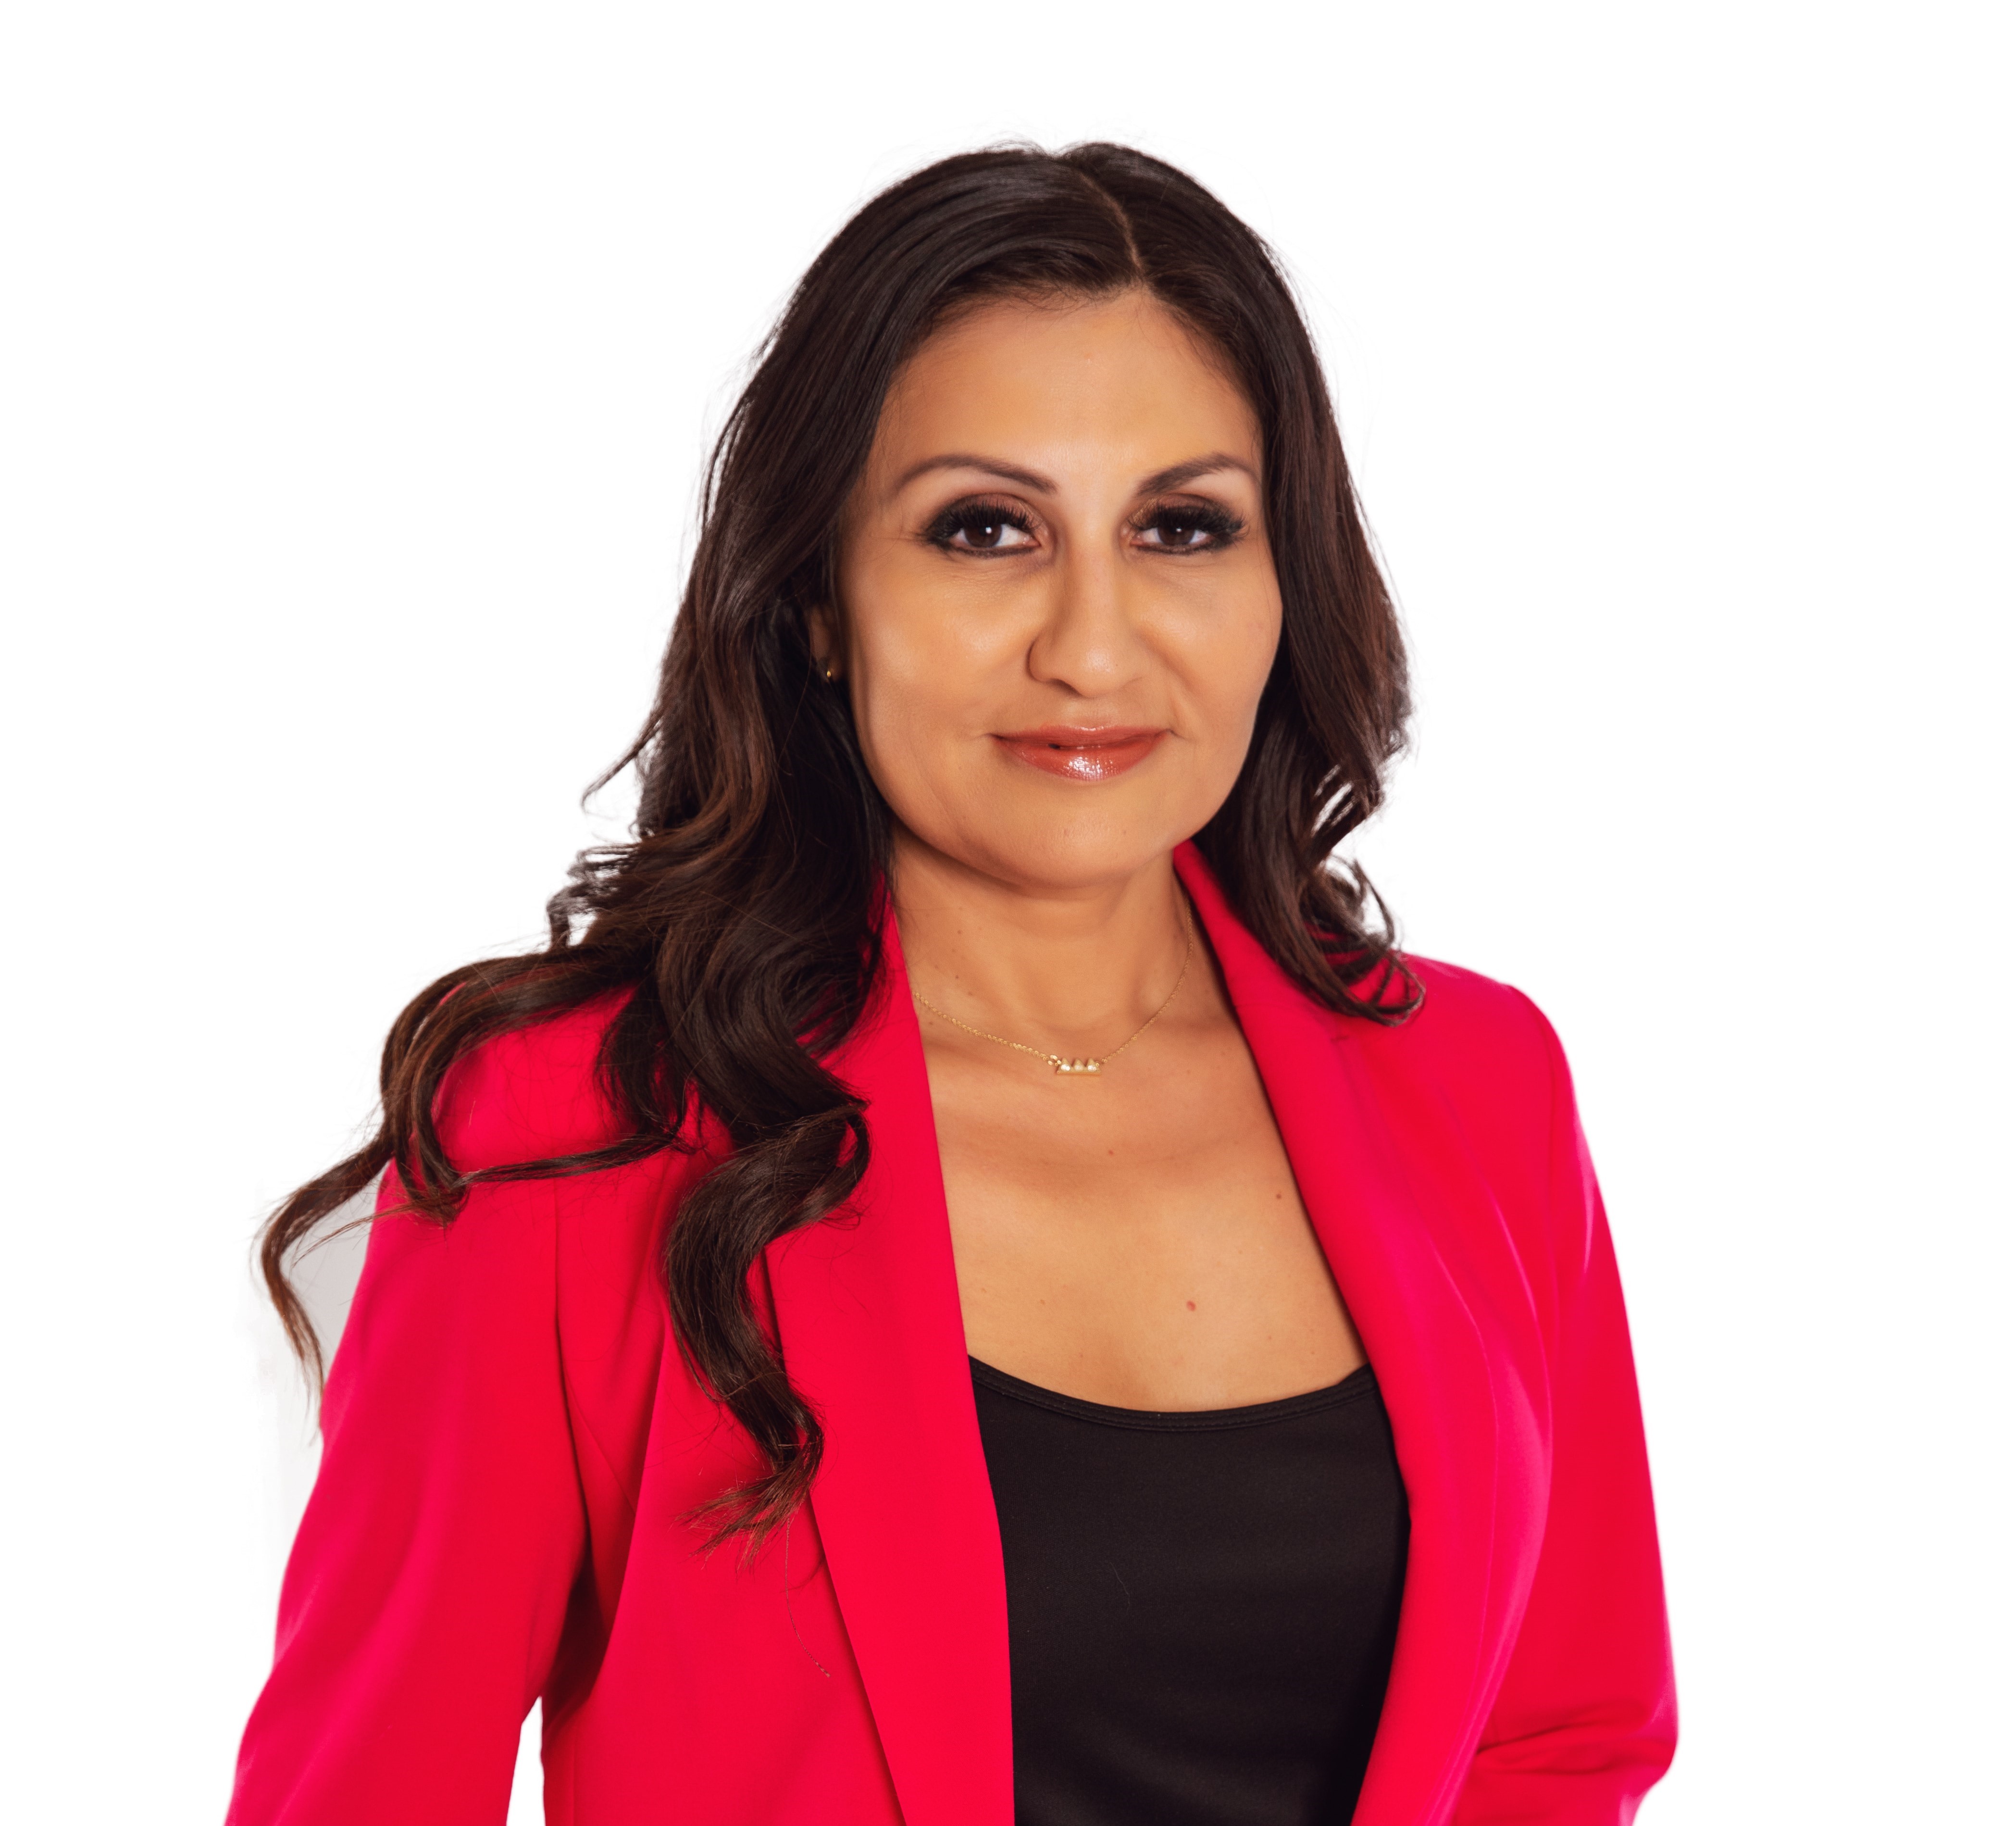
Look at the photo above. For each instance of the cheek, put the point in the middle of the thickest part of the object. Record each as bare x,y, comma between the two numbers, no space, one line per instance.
925,676
936,648
901,702
1225,660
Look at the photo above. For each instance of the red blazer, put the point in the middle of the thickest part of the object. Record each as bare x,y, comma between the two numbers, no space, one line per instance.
511,1445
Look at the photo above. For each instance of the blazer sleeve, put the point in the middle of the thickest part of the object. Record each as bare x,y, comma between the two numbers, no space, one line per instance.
424,1599
1585,1721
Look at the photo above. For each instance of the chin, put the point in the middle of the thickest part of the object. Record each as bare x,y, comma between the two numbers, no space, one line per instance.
1055,852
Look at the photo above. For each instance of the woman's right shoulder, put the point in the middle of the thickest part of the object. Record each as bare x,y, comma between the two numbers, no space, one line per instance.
533,1092
521,1254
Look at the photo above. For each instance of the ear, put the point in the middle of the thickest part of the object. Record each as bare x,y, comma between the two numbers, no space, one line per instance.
822,633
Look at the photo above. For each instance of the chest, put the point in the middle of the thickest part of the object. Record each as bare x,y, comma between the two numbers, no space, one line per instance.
1138,1237
893,1640
1123,1149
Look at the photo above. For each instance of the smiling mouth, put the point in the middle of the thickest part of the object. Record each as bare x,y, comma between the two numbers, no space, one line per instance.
1076,753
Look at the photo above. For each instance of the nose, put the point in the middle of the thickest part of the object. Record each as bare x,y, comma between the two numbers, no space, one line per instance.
1090,641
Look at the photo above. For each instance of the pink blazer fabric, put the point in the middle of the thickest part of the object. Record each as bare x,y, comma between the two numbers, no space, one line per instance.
512,1445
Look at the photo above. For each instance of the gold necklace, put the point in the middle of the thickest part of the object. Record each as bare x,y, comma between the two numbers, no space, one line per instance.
1058,1063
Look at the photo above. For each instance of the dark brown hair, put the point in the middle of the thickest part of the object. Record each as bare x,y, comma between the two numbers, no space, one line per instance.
737,935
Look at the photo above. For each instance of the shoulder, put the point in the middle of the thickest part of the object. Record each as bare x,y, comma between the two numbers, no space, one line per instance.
1469,1021
556,1253
532,1093
1479,1048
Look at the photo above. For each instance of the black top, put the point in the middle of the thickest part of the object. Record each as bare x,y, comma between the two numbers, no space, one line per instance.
1201,1606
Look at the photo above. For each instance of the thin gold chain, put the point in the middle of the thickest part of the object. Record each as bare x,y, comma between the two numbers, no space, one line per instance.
1056,1061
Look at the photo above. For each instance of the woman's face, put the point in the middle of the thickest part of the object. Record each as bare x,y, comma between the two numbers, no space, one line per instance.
1057,601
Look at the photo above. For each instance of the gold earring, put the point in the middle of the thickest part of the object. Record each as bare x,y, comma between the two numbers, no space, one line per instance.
829,671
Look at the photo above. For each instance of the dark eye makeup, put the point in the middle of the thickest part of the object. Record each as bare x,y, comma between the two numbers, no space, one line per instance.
979,525
1189,526
982,525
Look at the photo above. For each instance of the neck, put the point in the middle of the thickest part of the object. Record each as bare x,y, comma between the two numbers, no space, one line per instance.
1070,966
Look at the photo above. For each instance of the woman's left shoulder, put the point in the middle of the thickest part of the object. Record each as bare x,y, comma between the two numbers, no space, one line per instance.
1463,1014
1479,1044
1475,1091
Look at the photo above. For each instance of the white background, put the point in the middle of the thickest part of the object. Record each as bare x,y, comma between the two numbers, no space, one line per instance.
357,365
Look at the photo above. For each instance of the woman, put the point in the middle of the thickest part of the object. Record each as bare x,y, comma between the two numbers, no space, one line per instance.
877,1321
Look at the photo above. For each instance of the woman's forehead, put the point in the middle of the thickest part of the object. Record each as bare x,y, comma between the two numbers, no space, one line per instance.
1053,388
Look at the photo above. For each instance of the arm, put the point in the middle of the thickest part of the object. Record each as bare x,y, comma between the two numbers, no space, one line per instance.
1584,1724
425,1596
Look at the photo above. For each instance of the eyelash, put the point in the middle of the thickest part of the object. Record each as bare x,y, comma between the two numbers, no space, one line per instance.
968,516
1222,525
1222,528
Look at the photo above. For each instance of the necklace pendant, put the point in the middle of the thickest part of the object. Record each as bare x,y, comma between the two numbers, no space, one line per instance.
1075,1067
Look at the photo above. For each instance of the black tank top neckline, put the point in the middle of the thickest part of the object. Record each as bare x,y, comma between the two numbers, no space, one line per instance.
1201,1605
1358,1384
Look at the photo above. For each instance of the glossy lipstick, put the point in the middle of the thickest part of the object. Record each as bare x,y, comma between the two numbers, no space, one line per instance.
1081,753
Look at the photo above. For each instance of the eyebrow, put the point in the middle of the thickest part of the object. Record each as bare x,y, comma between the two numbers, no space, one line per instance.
1179,475
1026,478
1176,476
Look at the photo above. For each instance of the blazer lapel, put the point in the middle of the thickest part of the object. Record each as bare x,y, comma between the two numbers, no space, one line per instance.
1382,1240
868,1312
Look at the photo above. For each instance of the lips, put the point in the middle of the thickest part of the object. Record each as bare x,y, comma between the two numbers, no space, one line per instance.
1081,753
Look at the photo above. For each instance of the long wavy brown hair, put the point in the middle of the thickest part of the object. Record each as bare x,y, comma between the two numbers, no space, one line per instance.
737,935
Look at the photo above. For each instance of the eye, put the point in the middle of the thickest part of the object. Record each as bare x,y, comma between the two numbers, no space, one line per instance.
982,526
1187,526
